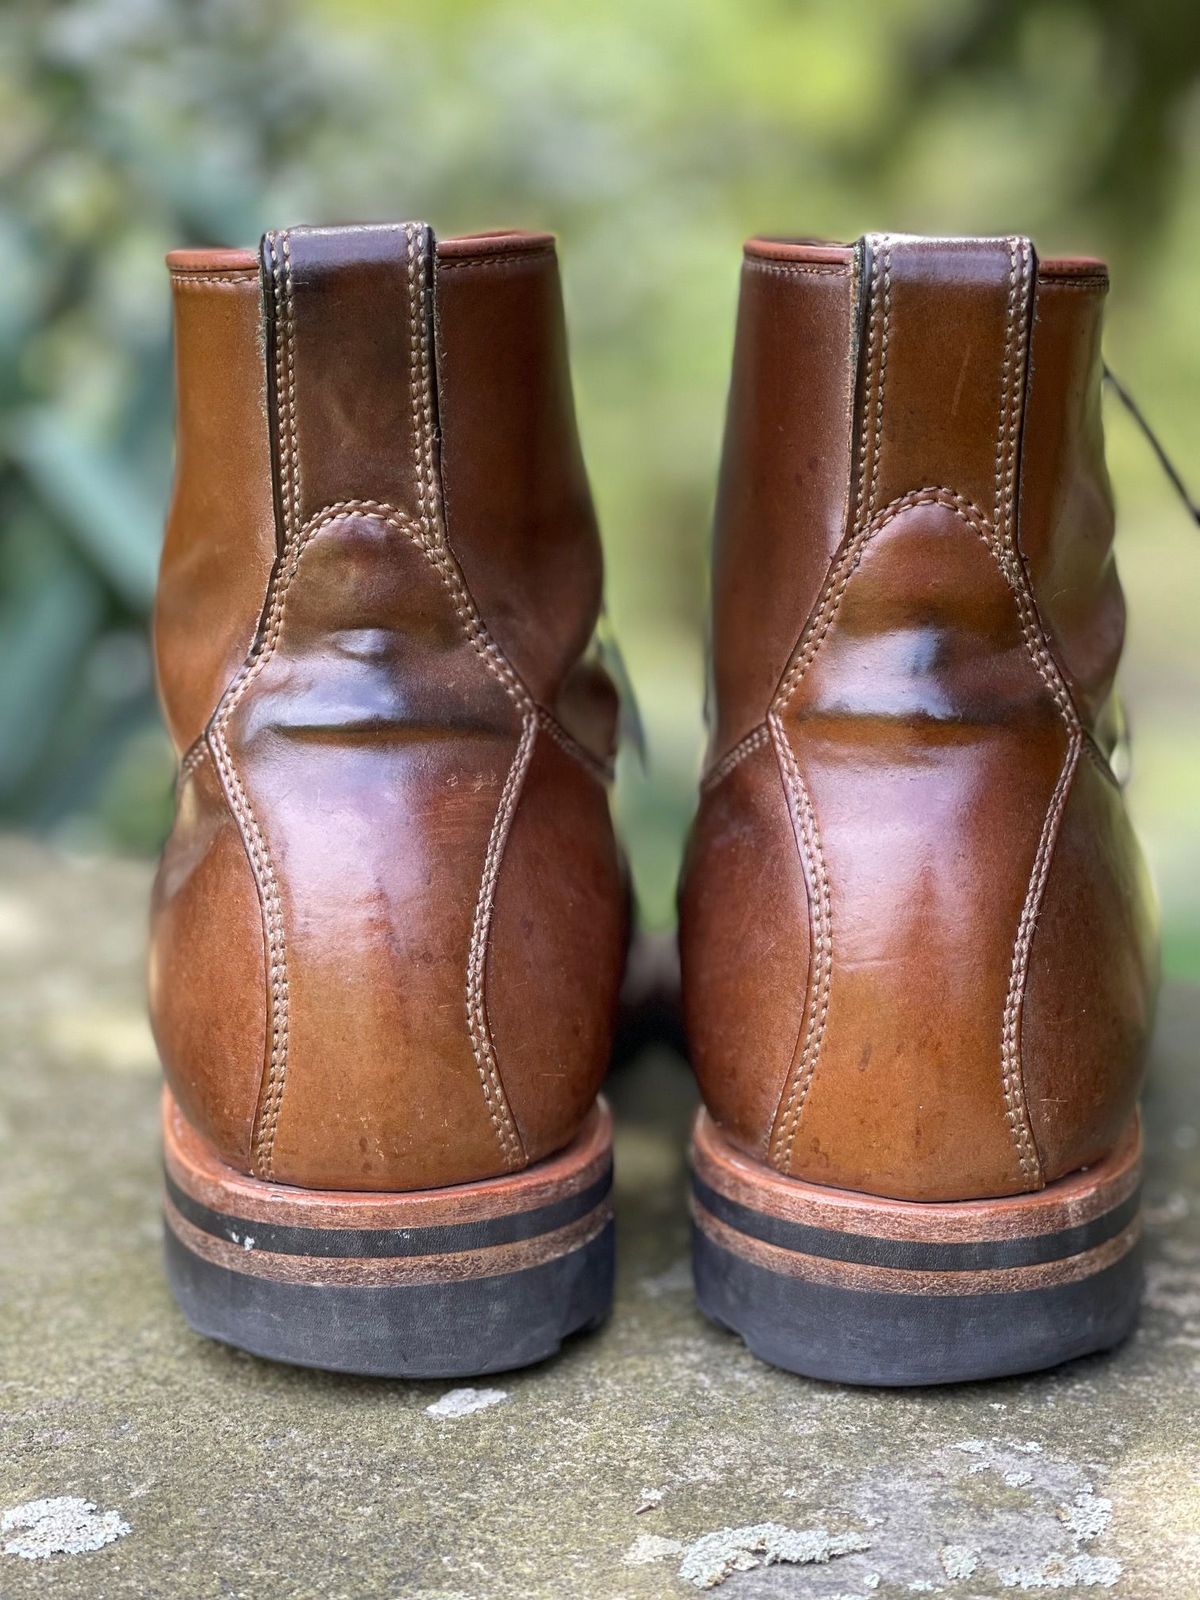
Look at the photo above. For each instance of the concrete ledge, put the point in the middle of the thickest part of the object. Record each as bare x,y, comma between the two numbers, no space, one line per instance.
648,1460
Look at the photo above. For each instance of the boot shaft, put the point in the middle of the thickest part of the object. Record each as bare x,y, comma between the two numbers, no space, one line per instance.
864,375
917,936
388,924
329,373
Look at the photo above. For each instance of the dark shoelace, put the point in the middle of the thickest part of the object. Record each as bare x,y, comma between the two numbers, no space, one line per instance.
1164,460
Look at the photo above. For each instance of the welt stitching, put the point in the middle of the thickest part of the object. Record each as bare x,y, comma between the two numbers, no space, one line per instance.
482,1045
734,756
808,838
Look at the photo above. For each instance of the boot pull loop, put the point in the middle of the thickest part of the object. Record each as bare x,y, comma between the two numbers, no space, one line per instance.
1164,460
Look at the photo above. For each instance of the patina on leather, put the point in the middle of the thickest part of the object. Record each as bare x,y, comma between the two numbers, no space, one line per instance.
919,948
388,927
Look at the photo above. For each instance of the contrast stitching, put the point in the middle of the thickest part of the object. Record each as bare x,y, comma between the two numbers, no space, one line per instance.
422,388
797,269
473,626
603,770
734,756
429,537
808,839
823,620
290,339
482,1047
826,610
1054,271
804,823
1016,329
1084,285
1013,379
267,1120
378,510
998,533
1013,1078
881,378
461,263
1007,436
272,1098
285,380
205,280
437,548
433,539
193,757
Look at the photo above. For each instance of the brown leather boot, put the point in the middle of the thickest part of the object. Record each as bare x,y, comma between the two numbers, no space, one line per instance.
919,949
389,923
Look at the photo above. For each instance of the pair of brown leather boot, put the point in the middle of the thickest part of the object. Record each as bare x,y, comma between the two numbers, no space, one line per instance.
390,923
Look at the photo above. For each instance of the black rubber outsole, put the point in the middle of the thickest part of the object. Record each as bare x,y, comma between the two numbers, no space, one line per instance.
860,1288
462,1328
822,1330
452,1282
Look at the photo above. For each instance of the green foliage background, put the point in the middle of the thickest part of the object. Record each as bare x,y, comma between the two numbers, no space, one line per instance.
652,138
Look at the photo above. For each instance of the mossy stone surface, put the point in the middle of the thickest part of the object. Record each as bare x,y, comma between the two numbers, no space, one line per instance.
656,1448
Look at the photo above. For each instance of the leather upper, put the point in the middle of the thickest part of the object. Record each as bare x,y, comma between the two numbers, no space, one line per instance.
389,923
918,942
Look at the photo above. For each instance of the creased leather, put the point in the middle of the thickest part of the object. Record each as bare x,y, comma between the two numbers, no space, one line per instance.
971,940
367,765
220,536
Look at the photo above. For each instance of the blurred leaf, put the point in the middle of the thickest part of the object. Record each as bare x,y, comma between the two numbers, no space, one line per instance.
653,139
102,507
45,629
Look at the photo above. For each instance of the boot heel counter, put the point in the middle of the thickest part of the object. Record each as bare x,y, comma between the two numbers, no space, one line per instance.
935,719
558,934
1092,983
745,944
208,969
